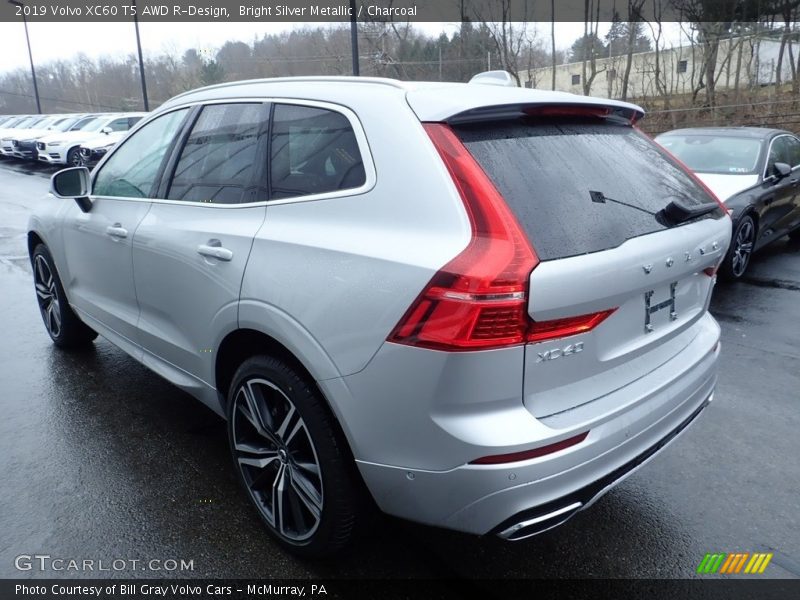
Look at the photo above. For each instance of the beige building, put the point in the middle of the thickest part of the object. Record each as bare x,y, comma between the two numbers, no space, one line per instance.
741,62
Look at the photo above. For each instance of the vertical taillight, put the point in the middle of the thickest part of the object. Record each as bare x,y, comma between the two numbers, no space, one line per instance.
479,299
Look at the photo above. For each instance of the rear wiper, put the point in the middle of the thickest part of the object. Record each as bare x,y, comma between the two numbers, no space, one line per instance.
677,211
601,198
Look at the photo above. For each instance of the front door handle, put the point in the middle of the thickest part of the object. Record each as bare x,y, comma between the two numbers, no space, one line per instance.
117,231
214,249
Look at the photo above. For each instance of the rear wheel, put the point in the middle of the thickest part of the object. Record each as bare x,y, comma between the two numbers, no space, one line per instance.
62,324
795,235
290,458
738,257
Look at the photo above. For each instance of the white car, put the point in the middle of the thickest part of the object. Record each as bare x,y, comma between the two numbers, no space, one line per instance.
64,148
93,150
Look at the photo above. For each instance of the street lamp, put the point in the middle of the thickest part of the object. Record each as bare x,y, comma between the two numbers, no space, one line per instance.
141,61
30,54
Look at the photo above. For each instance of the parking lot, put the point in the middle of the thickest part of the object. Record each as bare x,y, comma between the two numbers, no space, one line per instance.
102,458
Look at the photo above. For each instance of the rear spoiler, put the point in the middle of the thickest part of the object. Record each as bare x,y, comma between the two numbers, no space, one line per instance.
625,114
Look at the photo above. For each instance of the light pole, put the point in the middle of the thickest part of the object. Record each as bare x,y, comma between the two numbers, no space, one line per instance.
141,60
30,54
354,36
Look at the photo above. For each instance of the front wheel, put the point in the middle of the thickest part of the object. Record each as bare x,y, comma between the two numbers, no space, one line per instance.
738,257
290,458
74,157
62,324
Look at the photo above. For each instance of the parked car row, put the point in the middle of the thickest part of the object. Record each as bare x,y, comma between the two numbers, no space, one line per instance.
60,139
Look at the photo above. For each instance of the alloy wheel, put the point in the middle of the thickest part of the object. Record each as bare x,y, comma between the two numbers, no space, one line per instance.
47,295
742,247
277,459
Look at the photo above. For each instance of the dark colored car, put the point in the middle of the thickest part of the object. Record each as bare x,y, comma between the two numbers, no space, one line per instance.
755,171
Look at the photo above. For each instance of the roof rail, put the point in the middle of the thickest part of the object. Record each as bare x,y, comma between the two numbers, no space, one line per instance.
301,79
502,78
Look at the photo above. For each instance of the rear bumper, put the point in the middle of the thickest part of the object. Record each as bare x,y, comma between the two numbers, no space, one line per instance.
484,499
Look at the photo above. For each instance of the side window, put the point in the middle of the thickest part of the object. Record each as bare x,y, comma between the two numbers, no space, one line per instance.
793,151
314,151
218,161
133,121
778,152
131,171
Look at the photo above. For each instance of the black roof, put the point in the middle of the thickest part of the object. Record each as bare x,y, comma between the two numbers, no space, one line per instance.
750,132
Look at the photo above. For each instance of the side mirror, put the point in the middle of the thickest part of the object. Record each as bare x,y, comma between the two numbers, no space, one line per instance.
106,130
72,184
781,170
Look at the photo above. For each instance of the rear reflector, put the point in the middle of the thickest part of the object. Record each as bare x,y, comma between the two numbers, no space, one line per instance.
497,459
539,331
478,300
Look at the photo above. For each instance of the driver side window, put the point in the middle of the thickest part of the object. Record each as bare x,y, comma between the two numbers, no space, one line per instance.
131,171
778,152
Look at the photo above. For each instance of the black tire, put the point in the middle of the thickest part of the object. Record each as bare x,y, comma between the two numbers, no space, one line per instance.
62,324
740,252
795,235
74,157
316,514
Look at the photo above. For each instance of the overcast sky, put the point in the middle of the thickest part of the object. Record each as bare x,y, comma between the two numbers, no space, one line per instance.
52,41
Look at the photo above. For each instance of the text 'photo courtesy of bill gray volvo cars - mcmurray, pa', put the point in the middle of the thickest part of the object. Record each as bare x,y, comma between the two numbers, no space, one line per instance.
479,314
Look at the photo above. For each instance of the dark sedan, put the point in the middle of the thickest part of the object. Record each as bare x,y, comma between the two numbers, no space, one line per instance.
756,172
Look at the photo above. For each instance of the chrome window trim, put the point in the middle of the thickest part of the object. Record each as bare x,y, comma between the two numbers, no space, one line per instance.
355,123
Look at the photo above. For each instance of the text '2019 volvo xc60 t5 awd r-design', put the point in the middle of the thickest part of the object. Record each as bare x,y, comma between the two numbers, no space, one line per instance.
475,306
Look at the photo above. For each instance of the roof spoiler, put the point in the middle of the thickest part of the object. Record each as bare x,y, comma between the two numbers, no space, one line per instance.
501,78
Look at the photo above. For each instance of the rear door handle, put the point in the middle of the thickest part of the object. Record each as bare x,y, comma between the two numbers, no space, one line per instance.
214,249
117,231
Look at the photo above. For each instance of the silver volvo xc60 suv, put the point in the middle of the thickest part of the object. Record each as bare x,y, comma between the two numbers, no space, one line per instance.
474,306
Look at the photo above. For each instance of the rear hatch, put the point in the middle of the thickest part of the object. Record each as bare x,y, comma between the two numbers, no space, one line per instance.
620,282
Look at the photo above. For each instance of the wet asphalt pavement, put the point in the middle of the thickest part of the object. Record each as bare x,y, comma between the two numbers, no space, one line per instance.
102,459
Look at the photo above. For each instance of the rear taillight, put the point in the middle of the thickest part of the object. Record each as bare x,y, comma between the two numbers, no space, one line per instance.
479,299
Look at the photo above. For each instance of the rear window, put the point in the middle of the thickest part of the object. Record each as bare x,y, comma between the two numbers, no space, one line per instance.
546,171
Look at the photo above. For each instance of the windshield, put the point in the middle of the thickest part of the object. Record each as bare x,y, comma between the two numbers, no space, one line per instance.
64,124
97,124
24,122
706,153
83,124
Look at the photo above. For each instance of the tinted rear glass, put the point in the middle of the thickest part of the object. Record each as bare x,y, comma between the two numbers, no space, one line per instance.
546,171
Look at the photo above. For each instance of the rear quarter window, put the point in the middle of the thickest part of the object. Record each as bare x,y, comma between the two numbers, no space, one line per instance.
546,171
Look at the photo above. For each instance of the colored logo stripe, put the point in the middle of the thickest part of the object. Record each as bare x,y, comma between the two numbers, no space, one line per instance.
729,564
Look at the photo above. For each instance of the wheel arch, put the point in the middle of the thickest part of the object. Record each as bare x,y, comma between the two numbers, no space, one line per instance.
34,239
